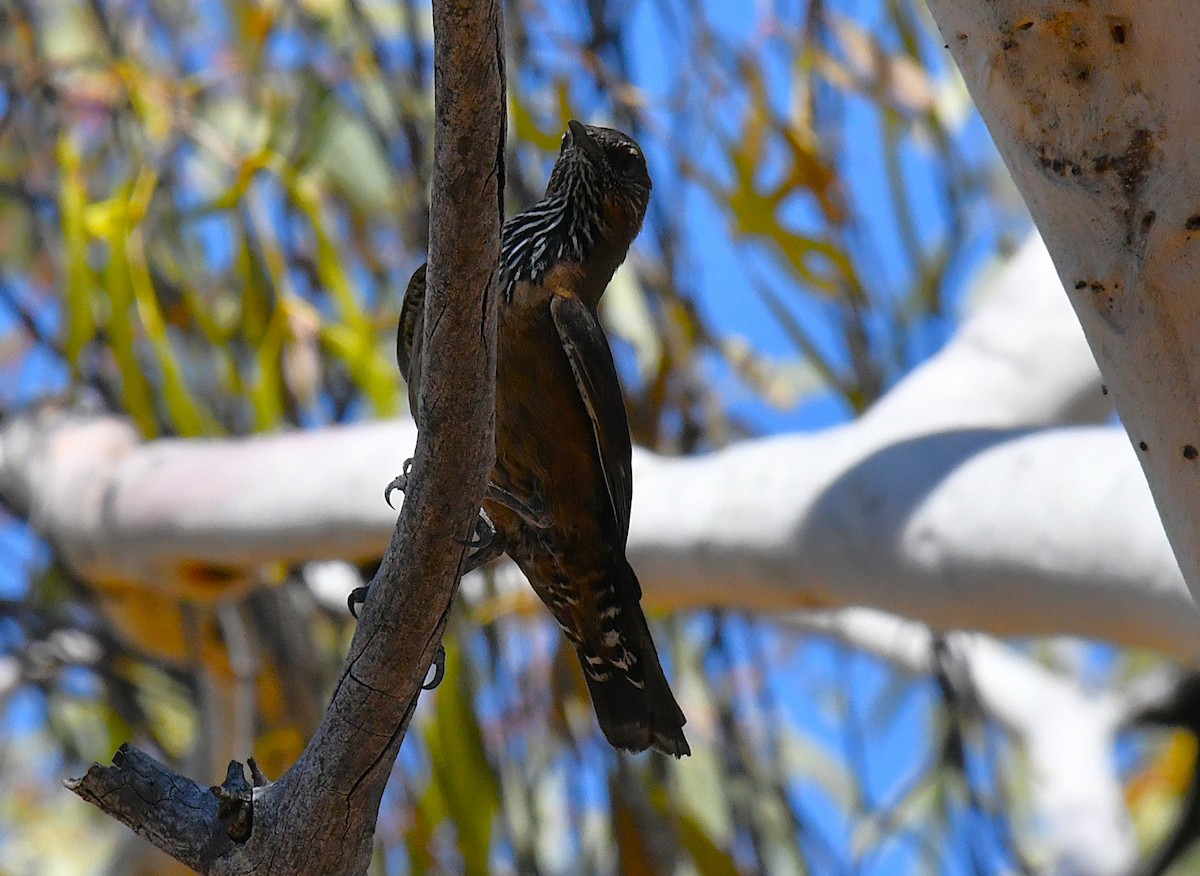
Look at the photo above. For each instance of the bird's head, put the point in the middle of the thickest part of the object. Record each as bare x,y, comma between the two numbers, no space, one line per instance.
602,170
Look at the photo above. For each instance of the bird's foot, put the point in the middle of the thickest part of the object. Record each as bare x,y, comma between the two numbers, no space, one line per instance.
532,510
400,482
485,545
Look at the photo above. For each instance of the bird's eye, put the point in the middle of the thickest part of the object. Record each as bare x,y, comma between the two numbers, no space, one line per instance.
625,158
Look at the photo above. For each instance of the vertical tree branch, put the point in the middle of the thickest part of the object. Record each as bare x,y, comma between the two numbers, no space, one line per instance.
320,816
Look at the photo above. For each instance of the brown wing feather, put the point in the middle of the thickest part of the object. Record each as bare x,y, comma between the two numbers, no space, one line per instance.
591,360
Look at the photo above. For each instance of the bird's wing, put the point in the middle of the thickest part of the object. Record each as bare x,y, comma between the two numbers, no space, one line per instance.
409,336
596,376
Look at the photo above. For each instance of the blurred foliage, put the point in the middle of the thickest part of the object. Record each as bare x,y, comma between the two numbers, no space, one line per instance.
208,212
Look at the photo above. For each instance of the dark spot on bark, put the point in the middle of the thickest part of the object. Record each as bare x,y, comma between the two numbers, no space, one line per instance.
1148,220
1009,43
1118,34
1082,284
1025,25
1193,223
1142,445
1190,452
1058,165
1097,288
962,36
1083,75
1104,389
1132,164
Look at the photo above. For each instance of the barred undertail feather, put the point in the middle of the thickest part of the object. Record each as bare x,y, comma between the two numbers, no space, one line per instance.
633,701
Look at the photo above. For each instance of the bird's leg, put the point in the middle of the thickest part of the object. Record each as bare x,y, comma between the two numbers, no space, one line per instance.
400,482
532,510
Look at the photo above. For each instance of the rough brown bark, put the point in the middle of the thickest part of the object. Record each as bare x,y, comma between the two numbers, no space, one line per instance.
320,816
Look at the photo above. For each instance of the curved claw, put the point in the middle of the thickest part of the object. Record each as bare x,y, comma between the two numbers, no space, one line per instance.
439,669
399,482
487,545
356,598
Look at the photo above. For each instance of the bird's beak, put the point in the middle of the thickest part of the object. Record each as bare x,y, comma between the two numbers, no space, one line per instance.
582,140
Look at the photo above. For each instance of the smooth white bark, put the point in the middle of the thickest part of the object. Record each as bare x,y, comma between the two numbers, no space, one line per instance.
944,503
1014,534
1094,108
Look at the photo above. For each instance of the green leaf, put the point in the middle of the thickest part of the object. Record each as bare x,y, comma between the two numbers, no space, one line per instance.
525,123
468,786
186,413
109,221
351,159
81,321
354,341
266,391
429,810
709,858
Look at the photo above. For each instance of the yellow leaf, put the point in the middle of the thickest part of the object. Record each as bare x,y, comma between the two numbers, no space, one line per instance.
527,128
103,218
136,392
81,323
354,340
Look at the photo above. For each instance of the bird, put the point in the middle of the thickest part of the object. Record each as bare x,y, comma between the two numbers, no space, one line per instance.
559,497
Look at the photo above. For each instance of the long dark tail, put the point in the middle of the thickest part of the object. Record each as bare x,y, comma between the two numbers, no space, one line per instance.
634,717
